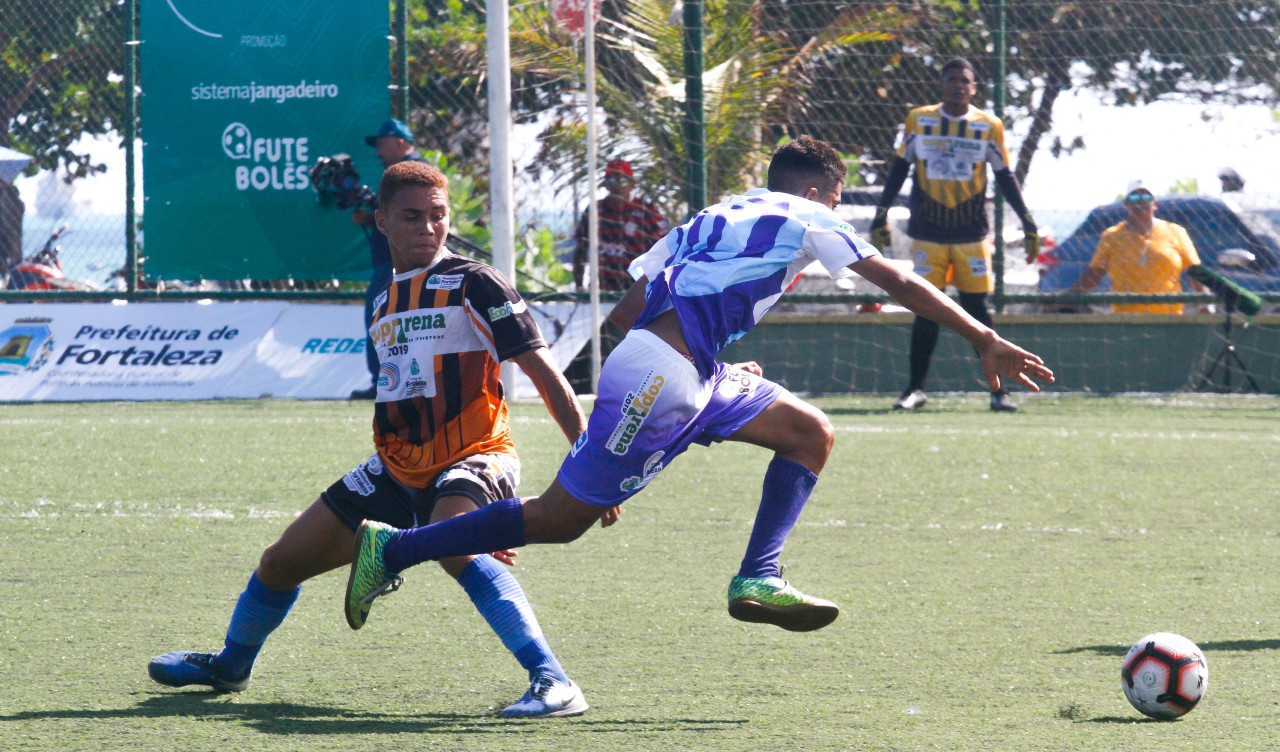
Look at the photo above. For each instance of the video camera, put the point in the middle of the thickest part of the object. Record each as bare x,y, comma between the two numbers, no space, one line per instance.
1231,293
337,178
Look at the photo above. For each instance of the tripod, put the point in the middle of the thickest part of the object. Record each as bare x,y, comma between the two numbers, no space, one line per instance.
1227,359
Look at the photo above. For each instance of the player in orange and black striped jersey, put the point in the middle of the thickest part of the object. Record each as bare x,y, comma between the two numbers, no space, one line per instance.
441,334
443,448
950,145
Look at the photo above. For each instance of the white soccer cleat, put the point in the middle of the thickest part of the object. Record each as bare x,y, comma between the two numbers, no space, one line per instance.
913,400
547,698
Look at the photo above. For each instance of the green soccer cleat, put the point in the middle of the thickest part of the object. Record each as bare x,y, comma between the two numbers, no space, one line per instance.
369,576
772,600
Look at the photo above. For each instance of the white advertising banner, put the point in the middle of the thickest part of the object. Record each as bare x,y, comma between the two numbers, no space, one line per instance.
146,351
312,352
69,352
566,327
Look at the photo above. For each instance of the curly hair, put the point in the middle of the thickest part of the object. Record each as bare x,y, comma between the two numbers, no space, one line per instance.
806,163
409,173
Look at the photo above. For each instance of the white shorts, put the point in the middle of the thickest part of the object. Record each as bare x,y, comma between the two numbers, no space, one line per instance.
651,405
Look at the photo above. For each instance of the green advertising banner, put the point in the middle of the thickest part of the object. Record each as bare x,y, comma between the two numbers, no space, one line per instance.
240,98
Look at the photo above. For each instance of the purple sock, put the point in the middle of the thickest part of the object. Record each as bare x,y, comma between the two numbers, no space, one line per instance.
491,528
787,486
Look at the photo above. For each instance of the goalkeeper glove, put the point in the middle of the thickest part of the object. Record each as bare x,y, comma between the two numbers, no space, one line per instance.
1031,241
880,236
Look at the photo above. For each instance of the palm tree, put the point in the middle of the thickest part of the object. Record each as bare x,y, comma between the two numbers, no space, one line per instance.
754,87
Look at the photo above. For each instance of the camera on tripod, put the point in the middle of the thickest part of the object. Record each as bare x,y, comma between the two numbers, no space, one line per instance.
1233,296
336,178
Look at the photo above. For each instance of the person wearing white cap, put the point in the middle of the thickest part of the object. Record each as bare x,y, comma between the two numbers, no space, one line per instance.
1231,180
1142,254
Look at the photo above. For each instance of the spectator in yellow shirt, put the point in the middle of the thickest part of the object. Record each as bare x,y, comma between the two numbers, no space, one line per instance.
1142,254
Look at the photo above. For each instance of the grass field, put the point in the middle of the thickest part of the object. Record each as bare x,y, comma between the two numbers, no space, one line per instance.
992,570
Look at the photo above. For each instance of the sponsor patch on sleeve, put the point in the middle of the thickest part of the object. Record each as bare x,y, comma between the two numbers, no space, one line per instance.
507,309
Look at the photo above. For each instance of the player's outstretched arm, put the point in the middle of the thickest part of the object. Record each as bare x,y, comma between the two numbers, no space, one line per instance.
555,391
999,356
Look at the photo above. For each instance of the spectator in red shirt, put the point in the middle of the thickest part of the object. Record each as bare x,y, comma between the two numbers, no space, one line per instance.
628,228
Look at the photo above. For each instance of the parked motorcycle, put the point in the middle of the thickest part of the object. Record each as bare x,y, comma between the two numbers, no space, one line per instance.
43,270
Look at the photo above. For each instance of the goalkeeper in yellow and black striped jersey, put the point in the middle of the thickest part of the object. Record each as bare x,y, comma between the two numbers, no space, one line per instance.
950,145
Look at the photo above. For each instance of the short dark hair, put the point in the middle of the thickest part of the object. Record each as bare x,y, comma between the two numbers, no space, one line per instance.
409,173
806,163
960,63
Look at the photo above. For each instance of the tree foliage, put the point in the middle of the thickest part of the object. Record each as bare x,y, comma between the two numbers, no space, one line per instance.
845,72
756,85
1132,52
1139,51
61,65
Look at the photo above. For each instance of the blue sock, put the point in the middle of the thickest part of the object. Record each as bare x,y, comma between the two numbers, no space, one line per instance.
494,527
787,486
258,612
502,603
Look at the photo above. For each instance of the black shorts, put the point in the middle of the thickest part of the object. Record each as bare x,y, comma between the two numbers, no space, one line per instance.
370,493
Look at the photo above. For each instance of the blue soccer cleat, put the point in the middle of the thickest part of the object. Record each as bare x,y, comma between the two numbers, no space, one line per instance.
547,698
369,577
183,669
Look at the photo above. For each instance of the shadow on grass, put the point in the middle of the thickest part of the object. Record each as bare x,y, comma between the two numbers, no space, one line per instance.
834,410
291,718
1208,647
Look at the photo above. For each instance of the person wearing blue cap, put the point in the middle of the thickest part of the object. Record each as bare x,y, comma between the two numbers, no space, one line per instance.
393,143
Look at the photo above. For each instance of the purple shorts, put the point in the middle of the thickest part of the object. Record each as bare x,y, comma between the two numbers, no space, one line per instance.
651,405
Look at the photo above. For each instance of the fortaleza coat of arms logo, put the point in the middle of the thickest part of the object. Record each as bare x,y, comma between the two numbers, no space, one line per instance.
25,346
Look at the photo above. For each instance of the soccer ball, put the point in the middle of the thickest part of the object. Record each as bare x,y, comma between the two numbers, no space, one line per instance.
1164,675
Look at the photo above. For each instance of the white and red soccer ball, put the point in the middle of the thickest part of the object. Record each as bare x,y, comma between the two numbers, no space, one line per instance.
1164,675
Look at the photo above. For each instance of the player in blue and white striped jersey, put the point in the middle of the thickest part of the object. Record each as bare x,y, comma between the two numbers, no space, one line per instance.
703,286
728,265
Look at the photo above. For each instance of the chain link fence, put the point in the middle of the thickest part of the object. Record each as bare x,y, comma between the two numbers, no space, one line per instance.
1093,94
63,106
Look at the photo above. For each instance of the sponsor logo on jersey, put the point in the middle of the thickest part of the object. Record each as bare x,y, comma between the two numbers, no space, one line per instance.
979,126
444,281
374,465
401,329
929,122
414,386
635,410
507,309
652,467
388,377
